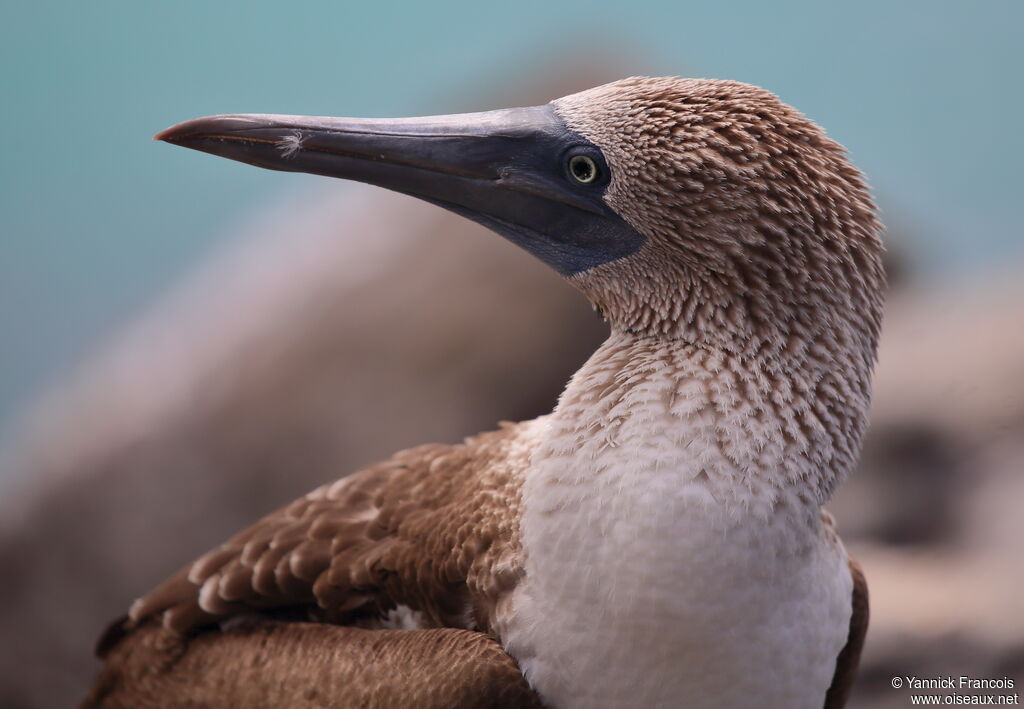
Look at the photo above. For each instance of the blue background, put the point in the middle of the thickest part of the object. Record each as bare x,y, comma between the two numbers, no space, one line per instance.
95,219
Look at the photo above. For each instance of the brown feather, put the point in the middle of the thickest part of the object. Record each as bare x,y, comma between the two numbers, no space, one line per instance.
419,530
268,665
849,657
761,245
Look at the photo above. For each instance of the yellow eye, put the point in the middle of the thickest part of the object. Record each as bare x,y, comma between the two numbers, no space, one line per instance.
583,169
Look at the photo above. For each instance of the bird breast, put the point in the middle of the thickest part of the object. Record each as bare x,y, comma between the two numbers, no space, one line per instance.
663,568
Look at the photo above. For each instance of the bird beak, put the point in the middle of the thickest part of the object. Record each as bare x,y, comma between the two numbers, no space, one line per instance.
504,169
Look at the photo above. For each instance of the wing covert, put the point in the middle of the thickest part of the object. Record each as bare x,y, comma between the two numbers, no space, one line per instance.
435,528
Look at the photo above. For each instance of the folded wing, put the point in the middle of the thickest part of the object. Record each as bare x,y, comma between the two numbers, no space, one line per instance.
434,531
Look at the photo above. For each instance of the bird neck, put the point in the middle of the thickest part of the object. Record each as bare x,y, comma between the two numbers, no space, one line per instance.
671,508
740,433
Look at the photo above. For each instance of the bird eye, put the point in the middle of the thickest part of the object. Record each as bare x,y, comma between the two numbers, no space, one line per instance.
583,169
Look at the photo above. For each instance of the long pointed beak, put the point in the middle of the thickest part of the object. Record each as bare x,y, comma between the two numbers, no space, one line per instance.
503,168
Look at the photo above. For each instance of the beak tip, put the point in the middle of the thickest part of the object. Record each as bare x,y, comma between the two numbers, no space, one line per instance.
177,132
197,128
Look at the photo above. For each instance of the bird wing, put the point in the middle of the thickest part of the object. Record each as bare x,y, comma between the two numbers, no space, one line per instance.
434,529
266,665
849,657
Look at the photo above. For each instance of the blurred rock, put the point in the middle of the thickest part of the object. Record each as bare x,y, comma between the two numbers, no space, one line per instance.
933,513
368,324
342,327
907,488
352,322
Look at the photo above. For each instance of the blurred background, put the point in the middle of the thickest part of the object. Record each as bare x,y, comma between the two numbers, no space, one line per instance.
188,343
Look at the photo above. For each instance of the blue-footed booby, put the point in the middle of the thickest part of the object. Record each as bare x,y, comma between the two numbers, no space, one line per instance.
658,540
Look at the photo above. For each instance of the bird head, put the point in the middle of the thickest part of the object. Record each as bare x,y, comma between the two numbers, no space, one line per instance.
700,210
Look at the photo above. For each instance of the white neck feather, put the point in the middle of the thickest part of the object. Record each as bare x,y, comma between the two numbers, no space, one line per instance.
658,487
739,436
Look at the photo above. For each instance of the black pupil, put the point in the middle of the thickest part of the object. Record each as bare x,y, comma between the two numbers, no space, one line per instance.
582,168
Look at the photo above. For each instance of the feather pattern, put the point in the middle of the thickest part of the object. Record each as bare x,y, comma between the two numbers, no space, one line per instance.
433,529
658,540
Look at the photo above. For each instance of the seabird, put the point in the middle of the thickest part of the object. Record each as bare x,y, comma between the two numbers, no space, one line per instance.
658,540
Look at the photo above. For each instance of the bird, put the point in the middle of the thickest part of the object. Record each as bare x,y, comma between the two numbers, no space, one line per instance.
659,539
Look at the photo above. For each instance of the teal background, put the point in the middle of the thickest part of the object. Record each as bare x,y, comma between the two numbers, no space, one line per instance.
95,219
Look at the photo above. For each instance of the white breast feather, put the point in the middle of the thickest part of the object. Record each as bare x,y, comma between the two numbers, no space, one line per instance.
670,561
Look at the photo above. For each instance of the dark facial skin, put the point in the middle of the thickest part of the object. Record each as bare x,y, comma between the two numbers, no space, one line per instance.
519,171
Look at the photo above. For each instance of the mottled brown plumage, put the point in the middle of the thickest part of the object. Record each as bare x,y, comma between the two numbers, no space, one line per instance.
270,665
432,529
760,230
744,328
849,659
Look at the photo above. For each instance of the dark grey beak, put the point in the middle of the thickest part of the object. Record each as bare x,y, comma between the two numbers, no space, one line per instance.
511,170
